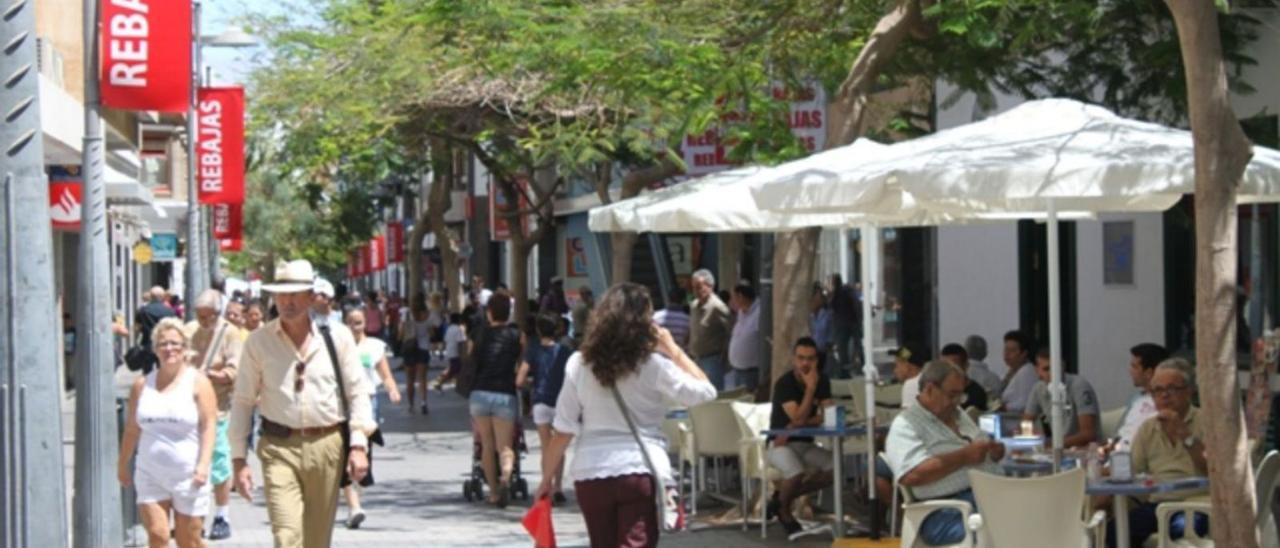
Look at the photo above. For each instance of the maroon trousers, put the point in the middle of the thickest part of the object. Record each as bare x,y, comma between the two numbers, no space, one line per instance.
619,511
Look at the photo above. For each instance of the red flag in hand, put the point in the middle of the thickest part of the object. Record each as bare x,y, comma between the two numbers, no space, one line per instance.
537,521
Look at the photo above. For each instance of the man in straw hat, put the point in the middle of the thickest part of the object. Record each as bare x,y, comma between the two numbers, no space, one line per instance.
286,372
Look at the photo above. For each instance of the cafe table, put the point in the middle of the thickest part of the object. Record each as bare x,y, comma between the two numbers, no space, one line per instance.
1121,491
836,434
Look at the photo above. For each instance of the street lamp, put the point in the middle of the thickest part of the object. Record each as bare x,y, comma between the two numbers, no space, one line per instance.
197,277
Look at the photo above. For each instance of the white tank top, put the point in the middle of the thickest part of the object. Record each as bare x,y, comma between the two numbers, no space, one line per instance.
170,423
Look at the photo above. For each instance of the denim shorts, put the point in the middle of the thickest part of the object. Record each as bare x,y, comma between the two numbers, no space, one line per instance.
493,404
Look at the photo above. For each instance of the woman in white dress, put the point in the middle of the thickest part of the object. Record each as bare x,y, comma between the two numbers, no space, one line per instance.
171,424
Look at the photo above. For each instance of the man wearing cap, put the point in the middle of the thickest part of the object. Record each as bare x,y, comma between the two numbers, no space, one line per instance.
322,302
217,345
287,374
907,363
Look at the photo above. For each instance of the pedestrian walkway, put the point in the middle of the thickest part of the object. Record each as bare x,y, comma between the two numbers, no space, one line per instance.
418,500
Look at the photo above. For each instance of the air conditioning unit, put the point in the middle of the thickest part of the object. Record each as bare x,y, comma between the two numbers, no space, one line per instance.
50,61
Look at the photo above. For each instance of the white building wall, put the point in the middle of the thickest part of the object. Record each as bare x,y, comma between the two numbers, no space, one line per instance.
1112,319
978,285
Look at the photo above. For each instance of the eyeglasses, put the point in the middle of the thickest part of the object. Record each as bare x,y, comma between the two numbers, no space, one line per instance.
168,344
1167,390
299,381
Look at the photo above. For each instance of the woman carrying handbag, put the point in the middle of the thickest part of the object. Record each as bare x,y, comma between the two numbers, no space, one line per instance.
613,399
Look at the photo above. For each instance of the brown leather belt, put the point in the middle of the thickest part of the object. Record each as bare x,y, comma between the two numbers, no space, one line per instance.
275,429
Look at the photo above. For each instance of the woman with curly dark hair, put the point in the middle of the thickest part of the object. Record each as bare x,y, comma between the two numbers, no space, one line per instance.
626,351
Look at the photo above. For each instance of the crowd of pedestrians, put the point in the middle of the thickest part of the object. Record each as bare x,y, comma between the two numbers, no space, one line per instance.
595,377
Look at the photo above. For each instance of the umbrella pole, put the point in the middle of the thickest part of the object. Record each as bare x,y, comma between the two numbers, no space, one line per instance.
870,246
1057,391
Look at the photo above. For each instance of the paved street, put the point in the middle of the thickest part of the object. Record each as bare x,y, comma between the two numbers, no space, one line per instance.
418,497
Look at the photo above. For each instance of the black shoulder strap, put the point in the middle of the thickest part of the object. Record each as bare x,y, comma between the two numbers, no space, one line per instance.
337,371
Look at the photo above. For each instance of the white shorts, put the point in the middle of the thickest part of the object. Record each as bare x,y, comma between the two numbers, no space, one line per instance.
543,413
796,458
185,499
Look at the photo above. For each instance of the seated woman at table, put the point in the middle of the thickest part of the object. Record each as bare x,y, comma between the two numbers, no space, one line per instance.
933,444
1168,446
798,400
1084,419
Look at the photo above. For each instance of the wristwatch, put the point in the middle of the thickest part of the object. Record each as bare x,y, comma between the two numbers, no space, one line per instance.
1189,441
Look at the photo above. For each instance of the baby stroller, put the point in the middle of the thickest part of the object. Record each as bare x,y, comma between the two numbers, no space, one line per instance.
473,487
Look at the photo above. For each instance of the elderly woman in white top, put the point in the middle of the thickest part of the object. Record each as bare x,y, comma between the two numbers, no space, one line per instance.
622,349
173,415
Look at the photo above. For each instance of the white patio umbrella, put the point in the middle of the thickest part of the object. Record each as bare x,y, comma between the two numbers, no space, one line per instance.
1040,157
723,202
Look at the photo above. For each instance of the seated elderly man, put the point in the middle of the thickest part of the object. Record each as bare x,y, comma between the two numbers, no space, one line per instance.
933,444
798,400
1168,446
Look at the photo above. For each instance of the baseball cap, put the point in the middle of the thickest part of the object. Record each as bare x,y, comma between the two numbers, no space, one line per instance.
912,352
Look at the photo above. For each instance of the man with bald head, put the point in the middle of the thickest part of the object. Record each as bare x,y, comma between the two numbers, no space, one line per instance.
216,344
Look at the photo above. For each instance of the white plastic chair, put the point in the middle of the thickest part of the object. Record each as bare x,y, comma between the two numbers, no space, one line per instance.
914,513
1111,422
680,444
752,461
1043,511
1266,477
715,436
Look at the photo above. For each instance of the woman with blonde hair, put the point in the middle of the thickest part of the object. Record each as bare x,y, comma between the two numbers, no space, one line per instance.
171,424
614,400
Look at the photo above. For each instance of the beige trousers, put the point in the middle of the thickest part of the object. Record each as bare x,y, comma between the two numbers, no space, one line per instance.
300,477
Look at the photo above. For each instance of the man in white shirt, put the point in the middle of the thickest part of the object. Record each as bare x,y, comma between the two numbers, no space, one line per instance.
744,340
1143,360
1021,378
907,363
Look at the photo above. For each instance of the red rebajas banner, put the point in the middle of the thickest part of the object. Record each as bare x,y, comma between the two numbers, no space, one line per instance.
220,145
146,55
228,222
395,242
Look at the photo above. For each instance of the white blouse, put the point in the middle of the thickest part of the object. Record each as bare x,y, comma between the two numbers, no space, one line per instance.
605,447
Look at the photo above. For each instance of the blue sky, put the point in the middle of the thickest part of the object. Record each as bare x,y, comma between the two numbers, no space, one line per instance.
231,66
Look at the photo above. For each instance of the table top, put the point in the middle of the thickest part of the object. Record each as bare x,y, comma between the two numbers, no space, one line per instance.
1146,487
823,431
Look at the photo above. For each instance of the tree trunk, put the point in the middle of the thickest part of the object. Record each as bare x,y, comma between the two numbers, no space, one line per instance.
439,200
623,243
795,253
1221,153
414,251
795,262
621,247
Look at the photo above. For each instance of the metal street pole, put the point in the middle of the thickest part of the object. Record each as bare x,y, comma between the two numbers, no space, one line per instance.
196,276
96,504
33,504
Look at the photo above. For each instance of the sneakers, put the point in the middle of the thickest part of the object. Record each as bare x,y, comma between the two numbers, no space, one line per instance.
771,509
558,499
355,520
791,527
220,530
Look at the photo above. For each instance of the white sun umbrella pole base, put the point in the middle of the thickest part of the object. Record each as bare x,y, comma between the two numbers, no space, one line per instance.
1057,391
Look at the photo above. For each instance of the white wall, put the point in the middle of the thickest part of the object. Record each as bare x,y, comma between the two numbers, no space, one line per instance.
978,285
1265,76
1112,319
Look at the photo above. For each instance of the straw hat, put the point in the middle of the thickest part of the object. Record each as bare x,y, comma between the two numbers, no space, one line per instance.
292,277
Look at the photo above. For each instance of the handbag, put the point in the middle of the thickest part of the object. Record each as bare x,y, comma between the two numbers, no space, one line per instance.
670,510
140,357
